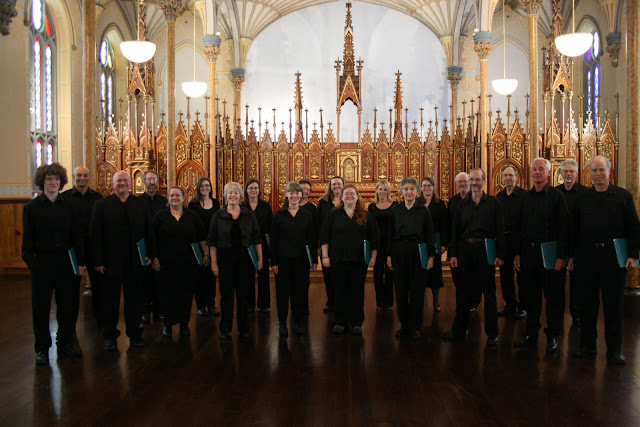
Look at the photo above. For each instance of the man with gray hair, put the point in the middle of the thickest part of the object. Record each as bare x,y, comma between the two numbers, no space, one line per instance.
543,223
572,189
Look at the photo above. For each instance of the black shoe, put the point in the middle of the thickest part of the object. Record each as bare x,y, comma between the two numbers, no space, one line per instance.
137,342
110,345
616,359
577,322
519,315
507,311
297,329
451,335
166,331
356,330
283,330
161,317
69,350
472,310
213,312
436,308
327,309
185,331
146,319
416,335
224,336
582,352
492,341
552,344
245,336
380,308
264,310
526,341
42,358
402,333
337,329
202,312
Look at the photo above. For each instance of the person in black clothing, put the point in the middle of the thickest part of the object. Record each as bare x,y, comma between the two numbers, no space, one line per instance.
82,198
409,227
438,210
380,211
311,208
544,218
292,240
205,206
175,230
343,237
120,229
601,214
154,203
233,230
50,231
511,200
478,218
572,189
332,198
264,214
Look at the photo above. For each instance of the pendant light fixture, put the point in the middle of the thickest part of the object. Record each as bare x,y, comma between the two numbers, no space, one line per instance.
504,86
194,89
574,44
138,50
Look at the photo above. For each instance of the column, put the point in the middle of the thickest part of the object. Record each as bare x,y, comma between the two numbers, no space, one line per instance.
454,75
482,46
532,7
212,49
633,103
89,84
171,9
237,78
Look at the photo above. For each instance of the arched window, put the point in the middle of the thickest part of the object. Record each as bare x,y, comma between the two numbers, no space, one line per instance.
592,78
43,132
107,81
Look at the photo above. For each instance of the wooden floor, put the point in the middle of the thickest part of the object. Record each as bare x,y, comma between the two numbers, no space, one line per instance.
318,379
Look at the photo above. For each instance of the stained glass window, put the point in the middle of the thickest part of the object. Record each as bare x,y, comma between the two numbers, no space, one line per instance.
107,80
592,78
42,83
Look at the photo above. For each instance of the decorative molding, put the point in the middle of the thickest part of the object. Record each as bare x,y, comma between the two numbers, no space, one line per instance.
613,47
171,8
531,6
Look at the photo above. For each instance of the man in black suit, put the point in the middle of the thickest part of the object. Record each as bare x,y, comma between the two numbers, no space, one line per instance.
154,202
82,199
119,225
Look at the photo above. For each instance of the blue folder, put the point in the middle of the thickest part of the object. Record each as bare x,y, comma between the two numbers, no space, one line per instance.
549,254
253,254
367,252
424,255
490,247
142,251
197,251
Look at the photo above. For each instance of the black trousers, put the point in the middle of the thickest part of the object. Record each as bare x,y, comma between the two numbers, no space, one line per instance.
535,281
205,292
307,282
329,285
95,278
435,274
51,274
264,291
383,281
150,282
597,271
236,275
476,297
507,271
131,283
176,294
573,293
349,279
410,281
290,287
475,277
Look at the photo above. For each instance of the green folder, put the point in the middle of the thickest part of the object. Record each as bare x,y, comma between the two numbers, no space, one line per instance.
253,254
367,252
310,256
490,246
438,243
549,254
142,251
424,255
74,261
622,251
197,251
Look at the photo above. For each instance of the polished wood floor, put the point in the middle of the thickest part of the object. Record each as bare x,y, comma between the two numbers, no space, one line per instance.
318,379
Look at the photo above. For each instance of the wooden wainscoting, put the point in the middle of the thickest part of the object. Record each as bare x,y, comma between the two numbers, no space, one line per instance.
11,235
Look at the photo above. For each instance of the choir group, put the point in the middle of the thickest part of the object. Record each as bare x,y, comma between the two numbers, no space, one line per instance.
159,254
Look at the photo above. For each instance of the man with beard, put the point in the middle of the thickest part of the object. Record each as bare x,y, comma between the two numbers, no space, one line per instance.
154,202
119,225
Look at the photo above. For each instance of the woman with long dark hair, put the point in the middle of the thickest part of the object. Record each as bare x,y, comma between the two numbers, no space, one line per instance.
264,215
331,199
205,206
381,210
438,210
343,237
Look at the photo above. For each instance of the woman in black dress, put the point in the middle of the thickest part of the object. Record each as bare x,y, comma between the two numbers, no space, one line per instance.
264,215
438,210
234,231
205,206
175,229
343,237
410,227
382,274
332,198
291,233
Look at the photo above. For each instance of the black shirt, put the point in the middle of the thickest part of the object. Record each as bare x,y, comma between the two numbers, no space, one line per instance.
291,234
174,238
572,195
511,205
600,217
220,229
346,237
440,218
478,221
413,224
313,210
544,218
82,206
382,218
204,214
264,215
155,203
324,207
49,228
452,208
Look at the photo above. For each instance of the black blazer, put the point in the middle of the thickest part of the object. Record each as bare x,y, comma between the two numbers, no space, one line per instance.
105,249
222,222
